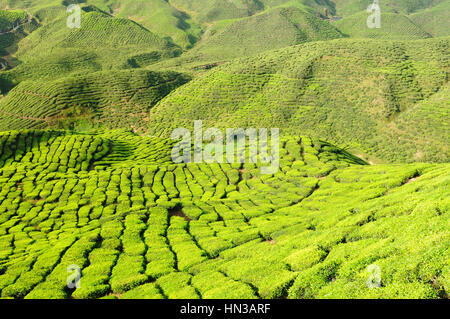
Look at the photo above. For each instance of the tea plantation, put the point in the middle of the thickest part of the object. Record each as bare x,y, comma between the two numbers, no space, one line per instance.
394,27
112,99
277,28
14,26
349,92
140,226
102,43
359,207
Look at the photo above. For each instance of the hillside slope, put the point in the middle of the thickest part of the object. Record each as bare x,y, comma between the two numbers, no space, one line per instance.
102,43
349,7
435,20
211,27
158,16
185,22
277,28
111,99
393,27
346,91
358,205
14,26
139,226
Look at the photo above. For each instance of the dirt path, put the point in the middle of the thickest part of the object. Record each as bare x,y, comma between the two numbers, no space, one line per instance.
23,117
15,28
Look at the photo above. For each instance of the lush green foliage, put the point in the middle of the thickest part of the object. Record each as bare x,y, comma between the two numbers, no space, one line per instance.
351,92
393,27
14,26
11,18
435,20
102,43
273,29
86,170
111,99
141,227
348,7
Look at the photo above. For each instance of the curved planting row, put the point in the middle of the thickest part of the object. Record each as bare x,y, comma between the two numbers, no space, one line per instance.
139,226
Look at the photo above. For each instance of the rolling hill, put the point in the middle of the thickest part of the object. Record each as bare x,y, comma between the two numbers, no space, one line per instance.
14,26
186,22
111,99
102,43
158,16
393,27
347,91
349,7
318,97
435,20
139,226
357,208
277,28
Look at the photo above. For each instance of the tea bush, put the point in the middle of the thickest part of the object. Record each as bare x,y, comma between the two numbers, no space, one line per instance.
139,226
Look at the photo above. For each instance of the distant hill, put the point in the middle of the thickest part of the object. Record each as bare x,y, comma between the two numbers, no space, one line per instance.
208,11
102,43
347,91
400,20
348,7
277,28
98,31
185,22
393,27
435,20
110,99
159,16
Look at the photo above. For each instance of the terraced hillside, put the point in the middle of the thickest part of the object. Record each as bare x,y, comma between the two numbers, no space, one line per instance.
393,27
184,22
277,28
358,207
140,226
348,7
102,43
349,92
308,88
435,20
159,16
14,26
217,33
111,99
